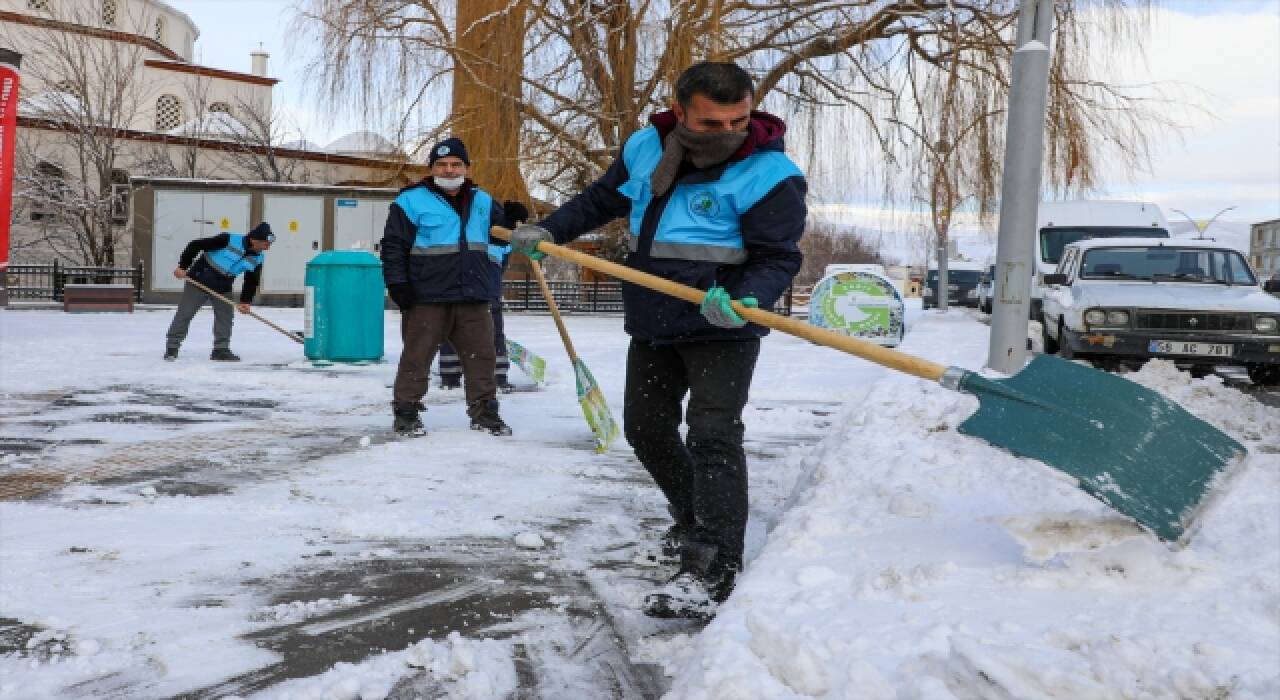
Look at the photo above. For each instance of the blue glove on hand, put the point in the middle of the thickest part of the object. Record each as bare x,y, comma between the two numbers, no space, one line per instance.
717,308
526,237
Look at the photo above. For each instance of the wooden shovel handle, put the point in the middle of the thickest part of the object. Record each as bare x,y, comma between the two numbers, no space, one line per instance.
218,296
892,359
555,311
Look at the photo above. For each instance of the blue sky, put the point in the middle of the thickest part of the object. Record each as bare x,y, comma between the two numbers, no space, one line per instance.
1221,54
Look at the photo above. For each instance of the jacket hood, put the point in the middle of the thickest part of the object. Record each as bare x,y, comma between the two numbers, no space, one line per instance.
764,131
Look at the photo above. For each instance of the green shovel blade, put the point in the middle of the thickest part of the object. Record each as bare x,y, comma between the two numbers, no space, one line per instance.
1128,446
599,417
533,366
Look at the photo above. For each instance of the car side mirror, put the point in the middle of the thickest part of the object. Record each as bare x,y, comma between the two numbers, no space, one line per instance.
1054,279
1272,285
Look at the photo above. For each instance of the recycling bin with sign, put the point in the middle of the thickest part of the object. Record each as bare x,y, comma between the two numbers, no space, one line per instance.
863,305
344,307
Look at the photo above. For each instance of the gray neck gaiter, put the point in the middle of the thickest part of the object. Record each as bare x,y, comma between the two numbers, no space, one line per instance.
702,149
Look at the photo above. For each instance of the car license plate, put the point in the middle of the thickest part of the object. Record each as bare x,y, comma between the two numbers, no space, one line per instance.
1183,347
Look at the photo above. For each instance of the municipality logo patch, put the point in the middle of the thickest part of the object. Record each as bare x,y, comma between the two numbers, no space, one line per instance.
442,151
704,203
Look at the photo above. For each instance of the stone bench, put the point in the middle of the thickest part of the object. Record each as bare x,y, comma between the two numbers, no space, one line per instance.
77,298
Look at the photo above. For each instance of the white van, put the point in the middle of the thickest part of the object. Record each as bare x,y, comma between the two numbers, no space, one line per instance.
1061,223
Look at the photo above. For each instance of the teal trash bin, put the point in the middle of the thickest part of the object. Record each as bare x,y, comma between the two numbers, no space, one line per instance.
344,307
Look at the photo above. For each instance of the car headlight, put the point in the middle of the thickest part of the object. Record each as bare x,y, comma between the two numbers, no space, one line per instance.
1117,318
1095,317
1265,324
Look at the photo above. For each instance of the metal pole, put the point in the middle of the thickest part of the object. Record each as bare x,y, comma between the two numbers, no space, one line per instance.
1020,187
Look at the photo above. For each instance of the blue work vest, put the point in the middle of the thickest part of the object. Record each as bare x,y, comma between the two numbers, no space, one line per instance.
439,226
235,258
700,220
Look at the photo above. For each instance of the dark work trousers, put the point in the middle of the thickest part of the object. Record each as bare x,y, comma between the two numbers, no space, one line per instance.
192,299
469,327
451,364
704,477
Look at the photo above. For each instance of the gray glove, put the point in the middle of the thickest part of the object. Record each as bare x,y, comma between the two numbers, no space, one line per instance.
526,237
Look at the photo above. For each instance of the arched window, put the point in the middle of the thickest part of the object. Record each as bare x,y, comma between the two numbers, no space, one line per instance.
160,30
220,107
110,8
38,5
168,113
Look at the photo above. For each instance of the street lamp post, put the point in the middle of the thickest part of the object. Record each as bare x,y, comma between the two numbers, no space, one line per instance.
1201,229
1020,187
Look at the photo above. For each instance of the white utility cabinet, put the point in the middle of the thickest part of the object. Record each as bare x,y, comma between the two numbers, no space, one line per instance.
358,222
298,222
181,217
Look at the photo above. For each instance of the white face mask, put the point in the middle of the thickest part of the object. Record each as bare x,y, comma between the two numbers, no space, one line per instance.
448,183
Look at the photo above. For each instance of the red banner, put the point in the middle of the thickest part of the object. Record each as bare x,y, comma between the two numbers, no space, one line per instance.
9,62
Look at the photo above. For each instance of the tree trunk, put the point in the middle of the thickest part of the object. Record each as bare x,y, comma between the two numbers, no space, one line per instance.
486,87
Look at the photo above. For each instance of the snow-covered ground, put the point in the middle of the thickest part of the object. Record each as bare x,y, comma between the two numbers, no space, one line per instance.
250,531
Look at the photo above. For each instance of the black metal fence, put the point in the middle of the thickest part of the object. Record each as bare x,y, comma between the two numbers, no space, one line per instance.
48,281
583,297
600,297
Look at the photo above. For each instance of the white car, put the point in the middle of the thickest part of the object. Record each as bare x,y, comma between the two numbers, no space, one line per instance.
1196,302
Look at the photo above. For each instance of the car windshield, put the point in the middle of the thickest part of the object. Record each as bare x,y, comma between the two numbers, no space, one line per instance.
1053,240
1163,264
955,276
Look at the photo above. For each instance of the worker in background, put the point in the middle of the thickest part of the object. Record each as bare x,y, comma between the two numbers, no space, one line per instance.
222,258
436,265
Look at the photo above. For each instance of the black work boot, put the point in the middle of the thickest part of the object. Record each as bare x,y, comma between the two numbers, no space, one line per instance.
504,385
407,423
450,381
703,582
223,355
666,551
488,419
170,354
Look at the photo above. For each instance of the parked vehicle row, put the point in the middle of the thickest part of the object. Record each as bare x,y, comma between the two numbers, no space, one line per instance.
1196,302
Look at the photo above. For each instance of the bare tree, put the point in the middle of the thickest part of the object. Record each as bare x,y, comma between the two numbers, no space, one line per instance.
856,75
258,152
86,92
183,153
825,244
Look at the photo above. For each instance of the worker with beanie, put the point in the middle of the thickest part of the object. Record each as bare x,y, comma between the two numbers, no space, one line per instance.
222,258
437,268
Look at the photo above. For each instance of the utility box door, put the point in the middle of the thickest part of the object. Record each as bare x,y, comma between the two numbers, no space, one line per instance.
182,217
380,209
358,223
298,222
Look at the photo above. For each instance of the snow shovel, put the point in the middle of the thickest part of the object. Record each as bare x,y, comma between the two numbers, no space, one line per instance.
597,412
292,336
1127,446
528,361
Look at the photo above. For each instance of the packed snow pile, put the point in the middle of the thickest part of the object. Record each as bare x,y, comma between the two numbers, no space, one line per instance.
455,668
299,610
916,562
